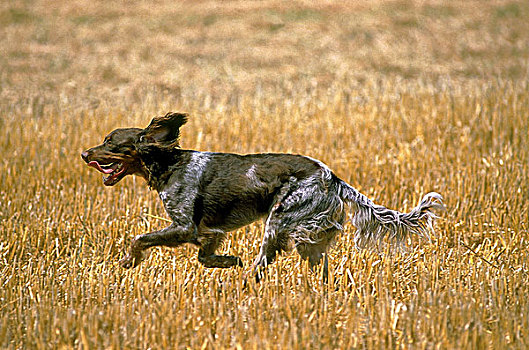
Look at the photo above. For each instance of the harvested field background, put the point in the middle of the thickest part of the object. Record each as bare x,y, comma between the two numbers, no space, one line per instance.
399,98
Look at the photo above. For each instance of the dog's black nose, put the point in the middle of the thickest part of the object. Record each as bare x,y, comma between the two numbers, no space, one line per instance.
84,155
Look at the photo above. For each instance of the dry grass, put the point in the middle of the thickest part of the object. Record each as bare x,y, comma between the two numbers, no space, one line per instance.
399,98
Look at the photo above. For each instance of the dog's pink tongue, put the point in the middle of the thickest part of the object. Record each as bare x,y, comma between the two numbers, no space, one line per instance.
95,164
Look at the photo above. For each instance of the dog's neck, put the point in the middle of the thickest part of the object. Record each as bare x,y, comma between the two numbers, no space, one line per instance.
158,164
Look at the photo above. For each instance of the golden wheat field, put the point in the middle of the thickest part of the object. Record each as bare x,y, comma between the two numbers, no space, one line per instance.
399,98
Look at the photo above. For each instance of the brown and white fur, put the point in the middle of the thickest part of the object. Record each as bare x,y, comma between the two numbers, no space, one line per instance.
207,194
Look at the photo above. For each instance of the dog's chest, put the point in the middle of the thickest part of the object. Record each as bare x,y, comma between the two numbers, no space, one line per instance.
181,190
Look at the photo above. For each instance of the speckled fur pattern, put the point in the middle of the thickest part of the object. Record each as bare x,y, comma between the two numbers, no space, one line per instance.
208,194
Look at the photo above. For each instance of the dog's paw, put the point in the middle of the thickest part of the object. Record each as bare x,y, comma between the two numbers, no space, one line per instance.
133,259
127,262
259,275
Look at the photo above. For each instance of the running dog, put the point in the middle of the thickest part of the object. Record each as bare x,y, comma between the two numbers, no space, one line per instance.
207,194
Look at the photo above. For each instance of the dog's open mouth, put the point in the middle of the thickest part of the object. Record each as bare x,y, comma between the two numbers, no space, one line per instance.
114,171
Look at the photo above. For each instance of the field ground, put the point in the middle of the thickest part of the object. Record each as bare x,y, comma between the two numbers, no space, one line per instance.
399,98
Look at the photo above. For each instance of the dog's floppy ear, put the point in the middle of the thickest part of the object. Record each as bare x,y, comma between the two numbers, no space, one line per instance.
164,130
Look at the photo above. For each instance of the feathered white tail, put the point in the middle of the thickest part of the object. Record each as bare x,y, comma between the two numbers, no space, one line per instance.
374,222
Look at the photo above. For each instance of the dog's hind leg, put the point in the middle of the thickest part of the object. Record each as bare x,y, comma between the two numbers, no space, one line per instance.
310,216
314,252
274,239
209,241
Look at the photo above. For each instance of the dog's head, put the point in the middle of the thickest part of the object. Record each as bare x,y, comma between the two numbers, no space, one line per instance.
120,154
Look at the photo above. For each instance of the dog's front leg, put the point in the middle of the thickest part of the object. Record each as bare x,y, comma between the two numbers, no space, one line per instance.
172,236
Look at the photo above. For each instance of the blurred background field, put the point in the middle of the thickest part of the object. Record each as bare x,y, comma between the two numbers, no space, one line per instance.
399,98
